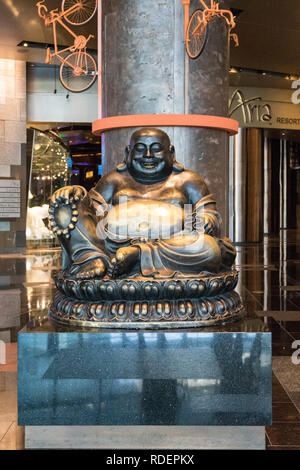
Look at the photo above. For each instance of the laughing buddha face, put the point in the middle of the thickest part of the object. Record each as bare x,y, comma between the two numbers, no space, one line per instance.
150,155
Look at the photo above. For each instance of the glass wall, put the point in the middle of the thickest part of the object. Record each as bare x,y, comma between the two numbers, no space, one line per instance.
49,172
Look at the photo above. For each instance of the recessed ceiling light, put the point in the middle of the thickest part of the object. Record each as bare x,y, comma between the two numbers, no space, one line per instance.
291,77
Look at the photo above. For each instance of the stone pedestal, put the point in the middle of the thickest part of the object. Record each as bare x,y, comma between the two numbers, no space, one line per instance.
207,377
142,437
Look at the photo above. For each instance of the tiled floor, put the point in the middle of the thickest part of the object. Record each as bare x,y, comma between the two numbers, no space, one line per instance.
26,288
274,295
11,435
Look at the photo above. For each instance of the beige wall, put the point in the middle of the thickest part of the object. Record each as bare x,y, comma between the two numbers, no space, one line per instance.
43,105
13,144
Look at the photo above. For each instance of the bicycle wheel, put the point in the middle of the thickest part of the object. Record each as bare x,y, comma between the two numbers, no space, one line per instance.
78,71
82,15
196,35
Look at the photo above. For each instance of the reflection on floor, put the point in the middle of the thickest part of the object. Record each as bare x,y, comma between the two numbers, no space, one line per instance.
11,435
269,285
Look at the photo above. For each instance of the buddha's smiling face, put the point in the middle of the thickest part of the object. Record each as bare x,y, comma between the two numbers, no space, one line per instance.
150,155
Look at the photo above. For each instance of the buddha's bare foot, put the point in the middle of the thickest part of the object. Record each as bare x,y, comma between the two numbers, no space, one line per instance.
89,270
126,258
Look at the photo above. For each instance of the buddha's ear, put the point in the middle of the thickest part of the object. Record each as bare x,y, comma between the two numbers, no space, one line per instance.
177,167
172,150
123,166
127,152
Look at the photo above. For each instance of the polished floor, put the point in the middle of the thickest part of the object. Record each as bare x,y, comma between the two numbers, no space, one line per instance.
269,285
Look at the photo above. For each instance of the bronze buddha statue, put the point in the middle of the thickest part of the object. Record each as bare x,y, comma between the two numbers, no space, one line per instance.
149,220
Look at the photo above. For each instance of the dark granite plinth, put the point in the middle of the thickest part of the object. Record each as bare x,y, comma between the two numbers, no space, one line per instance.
212,376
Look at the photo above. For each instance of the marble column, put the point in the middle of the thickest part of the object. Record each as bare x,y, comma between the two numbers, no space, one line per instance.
145,70
13,149
254,186
208,89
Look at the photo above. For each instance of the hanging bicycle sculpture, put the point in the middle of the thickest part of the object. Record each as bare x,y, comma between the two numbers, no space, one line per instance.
78,69
196,26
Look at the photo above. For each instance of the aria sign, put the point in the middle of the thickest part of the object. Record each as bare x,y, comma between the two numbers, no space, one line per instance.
253,110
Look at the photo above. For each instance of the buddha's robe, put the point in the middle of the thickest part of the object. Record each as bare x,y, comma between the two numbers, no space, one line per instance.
171,241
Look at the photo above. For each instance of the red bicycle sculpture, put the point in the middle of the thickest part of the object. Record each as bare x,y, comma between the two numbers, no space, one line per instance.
196,26
78,69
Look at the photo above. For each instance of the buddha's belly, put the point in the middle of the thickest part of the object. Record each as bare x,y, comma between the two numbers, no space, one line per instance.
144,219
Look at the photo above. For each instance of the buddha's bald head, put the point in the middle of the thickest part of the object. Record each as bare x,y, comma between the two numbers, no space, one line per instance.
150,155
149,133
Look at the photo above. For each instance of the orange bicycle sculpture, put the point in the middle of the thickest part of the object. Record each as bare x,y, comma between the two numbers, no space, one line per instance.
78,69
196,26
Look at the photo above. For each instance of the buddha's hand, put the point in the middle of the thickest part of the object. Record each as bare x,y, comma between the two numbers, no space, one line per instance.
68,194
63,210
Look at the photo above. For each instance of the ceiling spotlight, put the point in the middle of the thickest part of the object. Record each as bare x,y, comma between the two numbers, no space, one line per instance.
233,70
292,78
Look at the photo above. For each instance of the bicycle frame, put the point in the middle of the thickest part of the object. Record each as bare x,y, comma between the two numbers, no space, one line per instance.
215,10
75,61
51,19
208,14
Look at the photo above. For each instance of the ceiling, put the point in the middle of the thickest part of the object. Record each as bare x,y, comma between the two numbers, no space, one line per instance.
269,34
19,21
